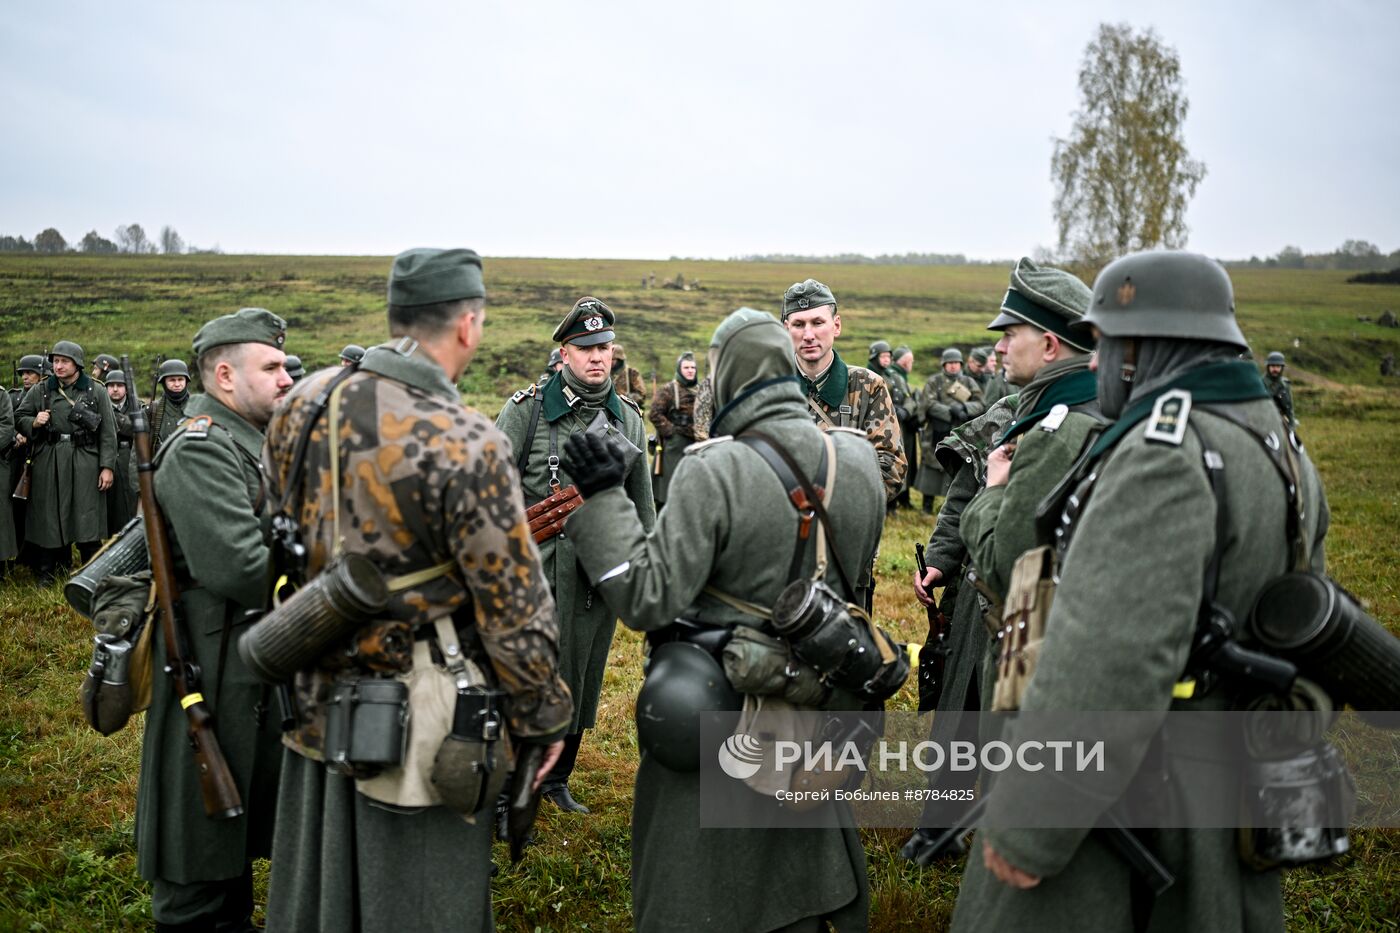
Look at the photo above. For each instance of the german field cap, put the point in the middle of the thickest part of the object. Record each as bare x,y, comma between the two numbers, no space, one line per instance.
901,351
1051,299
429,276
588,323
69,349
247,325
804,296
981,354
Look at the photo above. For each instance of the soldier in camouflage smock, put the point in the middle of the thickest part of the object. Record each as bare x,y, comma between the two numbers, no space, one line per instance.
537,421
839,395
905,410
627,380
950,397
426,485
673,412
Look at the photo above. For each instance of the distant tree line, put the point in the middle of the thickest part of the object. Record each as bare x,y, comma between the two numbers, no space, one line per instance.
859,259
1353,254
129,239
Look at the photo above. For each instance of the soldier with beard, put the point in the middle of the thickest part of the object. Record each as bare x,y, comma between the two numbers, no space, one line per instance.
627,380
673,412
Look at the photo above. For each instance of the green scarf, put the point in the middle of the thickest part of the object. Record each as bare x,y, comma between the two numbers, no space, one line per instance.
830,387
1231,381
1056,384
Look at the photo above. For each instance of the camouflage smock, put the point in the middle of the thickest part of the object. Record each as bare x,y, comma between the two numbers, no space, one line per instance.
671,399
425,480
854,397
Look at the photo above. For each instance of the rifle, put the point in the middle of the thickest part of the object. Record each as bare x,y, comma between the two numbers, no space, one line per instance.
1111,829
216,784
932,673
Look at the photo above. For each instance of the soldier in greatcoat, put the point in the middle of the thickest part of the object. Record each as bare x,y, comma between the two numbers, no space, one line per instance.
1194,432
67,417
726,538
538,420
210,490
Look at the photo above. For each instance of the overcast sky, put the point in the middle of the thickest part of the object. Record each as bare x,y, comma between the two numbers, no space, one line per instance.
610,129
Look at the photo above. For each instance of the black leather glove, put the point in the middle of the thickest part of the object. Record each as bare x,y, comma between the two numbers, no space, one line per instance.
594,464
959,411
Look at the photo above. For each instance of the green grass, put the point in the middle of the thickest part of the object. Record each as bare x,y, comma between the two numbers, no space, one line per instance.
67,796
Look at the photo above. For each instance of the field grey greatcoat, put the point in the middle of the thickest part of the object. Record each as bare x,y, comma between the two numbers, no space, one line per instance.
728,524
124,496
1129,594
673,412
207,480
65,506
936,418
586,624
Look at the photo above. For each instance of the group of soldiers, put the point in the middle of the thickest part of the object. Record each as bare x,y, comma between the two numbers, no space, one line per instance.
519,545
66,438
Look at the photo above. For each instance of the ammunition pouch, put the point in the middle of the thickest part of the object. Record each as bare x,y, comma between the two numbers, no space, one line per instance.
1022,632
118,681
546,517
839,640
757,664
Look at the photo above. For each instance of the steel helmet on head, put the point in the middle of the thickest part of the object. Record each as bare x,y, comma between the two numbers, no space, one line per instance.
31,362
952,355
173,368
1274,359
69,349
1168,294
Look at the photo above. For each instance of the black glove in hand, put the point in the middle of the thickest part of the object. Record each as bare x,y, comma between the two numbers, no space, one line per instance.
959,411
594,464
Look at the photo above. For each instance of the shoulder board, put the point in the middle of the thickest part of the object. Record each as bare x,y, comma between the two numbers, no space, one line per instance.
198,426
835,429
1167,423
1054,418
523,394
630,401
701,445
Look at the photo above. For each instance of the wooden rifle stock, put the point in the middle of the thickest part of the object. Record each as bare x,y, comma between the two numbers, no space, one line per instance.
216,783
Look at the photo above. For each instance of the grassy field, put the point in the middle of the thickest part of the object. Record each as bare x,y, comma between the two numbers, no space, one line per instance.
67,858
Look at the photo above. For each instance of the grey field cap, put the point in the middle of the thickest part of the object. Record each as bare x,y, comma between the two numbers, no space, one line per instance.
806,295
1052,299
1165,293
